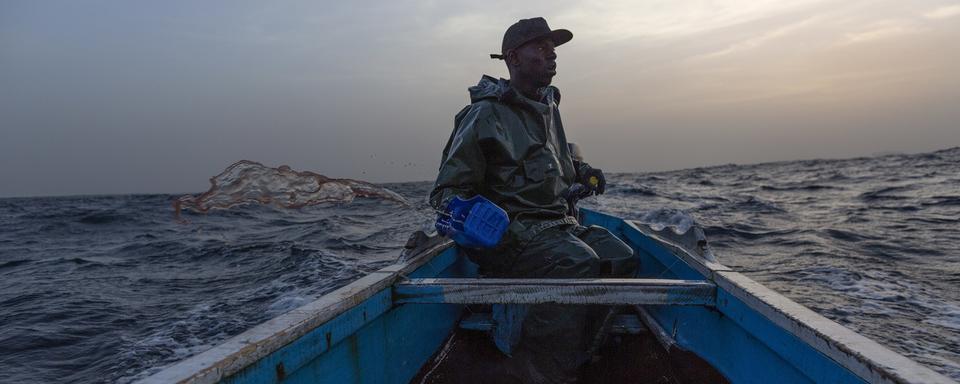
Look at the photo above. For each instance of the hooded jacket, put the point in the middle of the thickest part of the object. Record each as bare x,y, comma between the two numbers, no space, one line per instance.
510,149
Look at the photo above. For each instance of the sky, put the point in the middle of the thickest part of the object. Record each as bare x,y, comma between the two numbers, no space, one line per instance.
103,97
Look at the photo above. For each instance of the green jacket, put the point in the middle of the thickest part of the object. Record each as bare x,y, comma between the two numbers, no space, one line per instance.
510,149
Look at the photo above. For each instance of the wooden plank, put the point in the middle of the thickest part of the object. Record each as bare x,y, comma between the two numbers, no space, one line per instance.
628,324
620,324
862,356
482,321
666,341
559,291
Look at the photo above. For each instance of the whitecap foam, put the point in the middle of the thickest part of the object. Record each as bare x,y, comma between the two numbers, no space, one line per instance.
285,304
948,316
677,220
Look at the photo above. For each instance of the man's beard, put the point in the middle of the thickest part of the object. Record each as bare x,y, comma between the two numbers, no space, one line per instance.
543,79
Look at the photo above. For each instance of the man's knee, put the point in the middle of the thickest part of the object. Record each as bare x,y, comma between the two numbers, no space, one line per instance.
573,259
617,259
559,254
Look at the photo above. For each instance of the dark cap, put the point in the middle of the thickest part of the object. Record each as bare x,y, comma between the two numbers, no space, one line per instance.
527,30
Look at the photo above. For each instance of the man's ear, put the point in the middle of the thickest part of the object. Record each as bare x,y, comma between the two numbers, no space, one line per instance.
512,58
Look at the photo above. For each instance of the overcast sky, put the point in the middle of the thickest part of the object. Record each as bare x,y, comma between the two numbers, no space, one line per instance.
142,97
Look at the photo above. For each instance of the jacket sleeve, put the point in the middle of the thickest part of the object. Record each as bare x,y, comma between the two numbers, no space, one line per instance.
582,168
463,166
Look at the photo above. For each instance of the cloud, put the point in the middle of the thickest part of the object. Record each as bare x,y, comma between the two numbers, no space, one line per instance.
943,12
764,38
322,86
455,26
609,21
882,30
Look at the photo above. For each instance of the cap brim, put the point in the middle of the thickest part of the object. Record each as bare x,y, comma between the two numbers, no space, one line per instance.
559,36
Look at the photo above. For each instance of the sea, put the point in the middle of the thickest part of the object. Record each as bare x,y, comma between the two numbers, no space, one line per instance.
112,288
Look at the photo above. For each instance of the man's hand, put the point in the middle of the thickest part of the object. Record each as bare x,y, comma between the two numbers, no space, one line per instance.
593,179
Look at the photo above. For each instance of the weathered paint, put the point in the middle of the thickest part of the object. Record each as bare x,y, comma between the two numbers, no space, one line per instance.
255,344
858,354
674,251
559,291
478,322
296,339
661,334
626,324
752,324
620,324
358,334
301,351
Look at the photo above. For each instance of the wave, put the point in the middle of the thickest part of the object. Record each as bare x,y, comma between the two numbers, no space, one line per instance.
932,220
14,263
802,187
885,193
868,242
104,217
843,235
638,191
344,244
745,232
757,205
942,201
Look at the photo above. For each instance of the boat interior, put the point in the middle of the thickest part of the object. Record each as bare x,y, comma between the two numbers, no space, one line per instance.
428,319
628,352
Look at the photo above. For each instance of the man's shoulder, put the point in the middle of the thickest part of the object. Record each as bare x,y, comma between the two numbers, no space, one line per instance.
488,105
481,109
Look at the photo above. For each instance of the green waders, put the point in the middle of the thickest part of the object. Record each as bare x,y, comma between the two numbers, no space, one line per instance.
555,339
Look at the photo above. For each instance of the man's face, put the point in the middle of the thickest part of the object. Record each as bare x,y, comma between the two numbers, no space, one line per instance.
536,61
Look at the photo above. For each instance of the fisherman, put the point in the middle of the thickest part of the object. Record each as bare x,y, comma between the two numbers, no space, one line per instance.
509,149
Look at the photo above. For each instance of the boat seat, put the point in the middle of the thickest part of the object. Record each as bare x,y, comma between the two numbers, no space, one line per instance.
628,324
558,291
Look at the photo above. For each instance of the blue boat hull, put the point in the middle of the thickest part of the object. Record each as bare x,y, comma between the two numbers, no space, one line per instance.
361,334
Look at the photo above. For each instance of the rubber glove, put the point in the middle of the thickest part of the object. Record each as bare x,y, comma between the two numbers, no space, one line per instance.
593,179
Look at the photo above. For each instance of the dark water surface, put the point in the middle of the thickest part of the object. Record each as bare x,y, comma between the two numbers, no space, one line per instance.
105,289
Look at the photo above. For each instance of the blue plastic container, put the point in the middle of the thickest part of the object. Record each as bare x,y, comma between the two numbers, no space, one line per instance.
473,223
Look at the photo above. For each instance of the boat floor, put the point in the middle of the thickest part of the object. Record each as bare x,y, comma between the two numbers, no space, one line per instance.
466,356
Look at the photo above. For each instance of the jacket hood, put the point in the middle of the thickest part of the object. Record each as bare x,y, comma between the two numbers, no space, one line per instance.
500,90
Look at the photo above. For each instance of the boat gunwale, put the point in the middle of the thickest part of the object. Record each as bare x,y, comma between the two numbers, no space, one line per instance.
245,349
864,357
859,354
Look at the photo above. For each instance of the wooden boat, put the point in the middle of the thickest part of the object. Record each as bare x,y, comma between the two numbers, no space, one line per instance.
391,325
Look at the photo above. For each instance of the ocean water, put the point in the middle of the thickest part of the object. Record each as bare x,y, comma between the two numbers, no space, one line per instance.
111,288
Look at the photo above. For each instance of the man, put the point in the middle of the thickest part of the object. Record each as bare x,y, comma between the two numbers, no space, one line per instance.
509,146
